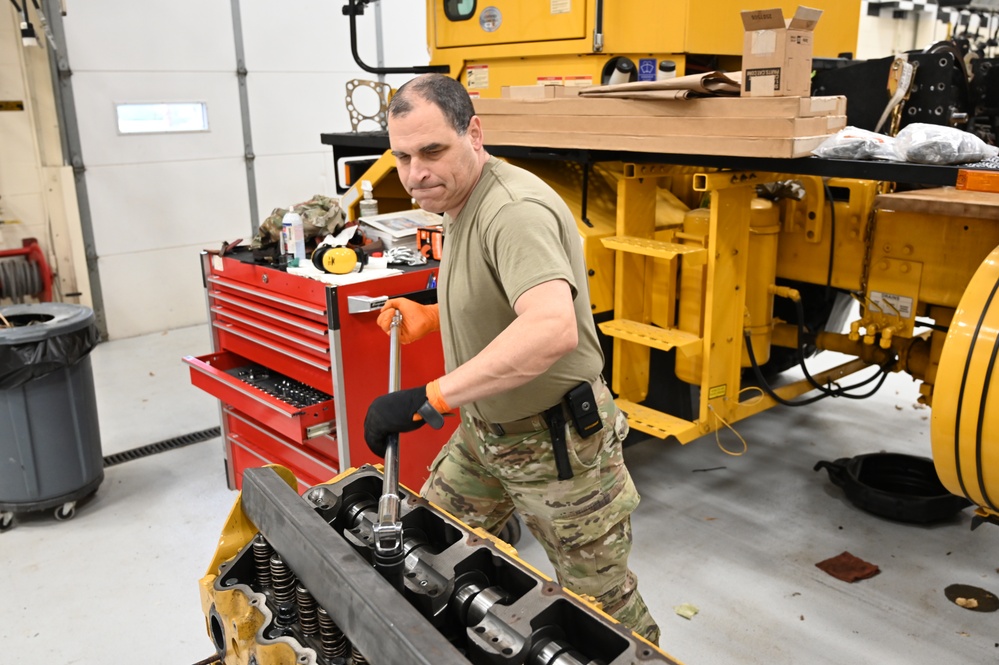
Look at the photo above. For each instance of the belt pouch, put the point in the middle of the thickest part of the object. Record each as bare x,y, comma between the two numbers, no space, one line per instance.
556,427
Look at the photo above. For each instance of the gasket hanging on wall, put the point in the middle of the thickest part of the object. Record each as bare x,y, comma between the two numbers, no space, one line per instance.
382,92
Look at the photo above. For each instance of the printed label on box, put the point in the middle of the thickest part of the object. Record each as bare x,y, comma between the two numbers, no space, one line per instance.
764,42
579,80
765,78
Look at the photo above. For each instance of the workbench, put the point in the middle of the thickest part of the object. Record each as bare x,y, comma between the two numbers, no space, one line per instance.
295,363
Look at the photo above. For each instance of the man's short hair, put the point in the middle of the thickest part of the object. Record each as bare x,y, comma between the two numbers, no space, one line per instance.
444,92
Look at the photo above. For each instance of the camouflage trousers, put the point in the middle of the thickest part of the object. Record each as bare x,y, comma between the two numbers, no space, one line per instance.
584,523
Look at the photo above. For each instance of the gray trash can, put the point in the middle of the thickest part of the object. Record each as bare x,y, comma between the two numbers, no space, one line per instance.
50,446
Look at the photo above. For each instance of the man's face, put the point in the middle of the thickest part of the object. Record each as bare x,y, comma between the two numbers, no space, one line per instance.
437,166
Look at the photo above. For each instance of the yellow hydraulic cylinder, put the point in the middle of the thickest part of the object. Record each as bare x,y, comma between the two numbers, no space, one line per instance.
761,273
696,224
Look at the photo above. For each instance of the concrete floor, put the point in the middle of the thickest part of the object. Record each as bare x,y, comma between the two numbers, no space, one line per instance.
119,582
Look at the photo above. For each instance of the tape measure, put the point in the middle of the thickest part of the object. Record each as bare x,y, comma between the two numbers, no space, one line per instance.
336,260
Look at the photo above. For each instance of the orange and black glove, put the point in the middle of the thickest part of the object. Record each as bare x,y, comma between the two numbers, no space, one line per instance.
417,320
403,411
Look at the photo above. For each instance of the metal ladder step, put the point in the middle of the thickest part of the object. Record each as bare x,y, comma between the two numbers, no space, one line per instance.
653,336
657,249
656,423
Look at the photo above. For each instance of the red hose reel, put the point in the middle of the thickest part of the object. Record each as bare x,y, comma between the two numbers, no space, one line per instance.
25,272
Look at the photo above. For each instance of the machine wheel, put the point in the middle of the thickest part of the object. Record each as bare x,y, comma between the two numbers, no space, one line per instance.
964,422
6,521
65,512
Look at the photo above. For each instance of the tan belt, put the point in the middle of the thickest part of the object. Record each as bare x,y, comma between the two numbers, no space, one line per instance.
535,423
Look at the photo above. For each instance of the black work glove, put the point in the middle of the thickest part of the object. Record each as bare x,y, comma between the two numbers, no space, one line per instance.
394,413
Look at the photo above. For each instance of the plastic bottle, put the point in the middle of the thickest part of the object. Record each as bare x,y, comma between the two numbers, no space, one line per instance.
667,70
369,205
293,236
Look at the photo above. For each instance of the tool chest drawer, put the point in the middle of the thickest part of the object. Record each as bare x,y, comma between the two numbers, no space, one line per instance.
251,317
251,444
282,403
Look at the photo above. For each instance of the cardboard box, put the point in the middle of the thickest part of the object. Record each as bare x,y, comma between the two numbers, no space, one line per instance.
710,107
777,55
547,91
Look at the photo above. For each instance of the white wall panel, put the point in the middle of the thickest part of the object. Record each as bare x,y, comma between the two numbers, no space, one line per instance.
18,168
304,36
153,291
151,35
286,179
141,207
289,111
97,93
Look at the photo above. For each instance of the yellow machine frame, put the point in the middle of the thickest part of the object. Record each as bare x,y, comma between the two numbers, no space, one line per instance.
689,260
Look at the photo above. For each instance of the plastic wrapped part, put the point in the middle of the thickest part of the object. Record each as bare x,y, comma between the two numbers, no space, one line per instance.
856,143
923,143
44,337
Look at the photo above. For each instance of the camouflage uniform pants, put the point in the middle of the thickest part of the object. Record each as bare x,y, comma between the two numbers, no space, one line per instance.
583,523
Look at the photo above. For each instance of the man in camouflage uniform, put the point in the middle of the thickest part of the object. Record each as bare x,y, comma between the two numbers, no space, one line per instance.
518,336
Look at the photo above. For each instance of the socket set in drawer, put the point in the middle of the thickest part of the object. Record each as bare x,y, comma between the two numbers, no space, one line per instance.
289,391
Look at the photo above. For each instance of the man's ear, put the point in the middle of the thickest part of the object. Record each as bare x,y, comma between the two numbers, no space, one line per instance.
475,132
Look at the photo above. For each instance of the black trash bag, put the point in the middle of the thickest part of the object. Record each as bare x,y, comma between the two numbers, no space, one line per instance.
43,338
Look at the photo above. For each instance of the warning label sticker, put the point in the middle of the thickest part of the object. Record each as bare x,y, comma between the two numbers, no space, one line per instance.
892,304
478,76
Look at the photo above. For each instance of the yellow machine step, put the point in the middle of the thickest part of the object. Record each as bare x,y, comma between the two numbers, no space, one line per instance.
653,336
656,248
656,423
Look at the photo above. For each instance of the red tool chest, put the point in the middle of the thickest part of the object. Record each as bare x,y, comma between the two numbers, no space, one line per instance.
295,363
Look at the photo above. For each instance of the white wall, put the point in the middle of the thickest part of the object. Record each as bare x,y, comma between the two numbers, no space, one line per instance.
158,200
883,36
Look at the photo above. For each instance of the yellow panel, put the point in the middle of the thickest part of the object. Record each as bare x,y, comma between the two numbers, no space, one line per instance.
655,26
512,22
716,27
949,248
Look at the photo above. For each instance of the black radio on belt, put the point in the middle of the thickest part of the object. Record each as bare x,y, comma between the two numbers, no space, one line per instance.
583,409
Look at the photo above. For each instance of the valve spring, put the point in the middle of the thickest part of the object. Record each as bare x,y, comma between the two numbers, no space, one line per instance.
334,642
307,615
283,581
262,551
356,657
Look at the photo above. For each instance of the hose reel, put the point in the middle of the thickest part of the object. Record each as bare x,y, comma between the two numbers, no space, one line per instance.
25,272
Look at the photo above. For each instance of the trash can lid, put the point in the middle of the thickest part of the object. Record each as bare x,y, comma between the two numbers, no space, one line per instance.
39,321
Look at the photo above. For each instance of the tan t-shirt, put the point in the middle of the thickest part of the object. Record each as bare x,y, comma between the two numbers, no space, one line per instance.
514,233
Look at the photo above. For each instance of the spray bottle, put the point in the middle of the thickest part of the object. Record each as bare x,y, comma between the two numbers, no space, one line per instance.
369,205
293,237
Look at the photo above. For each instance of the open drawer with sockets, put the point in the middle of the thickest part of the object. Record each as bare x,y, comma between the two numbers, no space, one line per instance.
284,404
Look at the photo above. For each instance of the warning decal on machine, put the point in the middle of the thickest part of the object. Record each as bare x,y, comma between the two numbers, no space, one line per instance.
892,304
478,76
717,391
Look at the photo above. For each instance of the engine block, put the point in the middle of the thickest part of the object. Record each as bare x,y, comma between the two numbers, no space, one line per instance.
302,589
